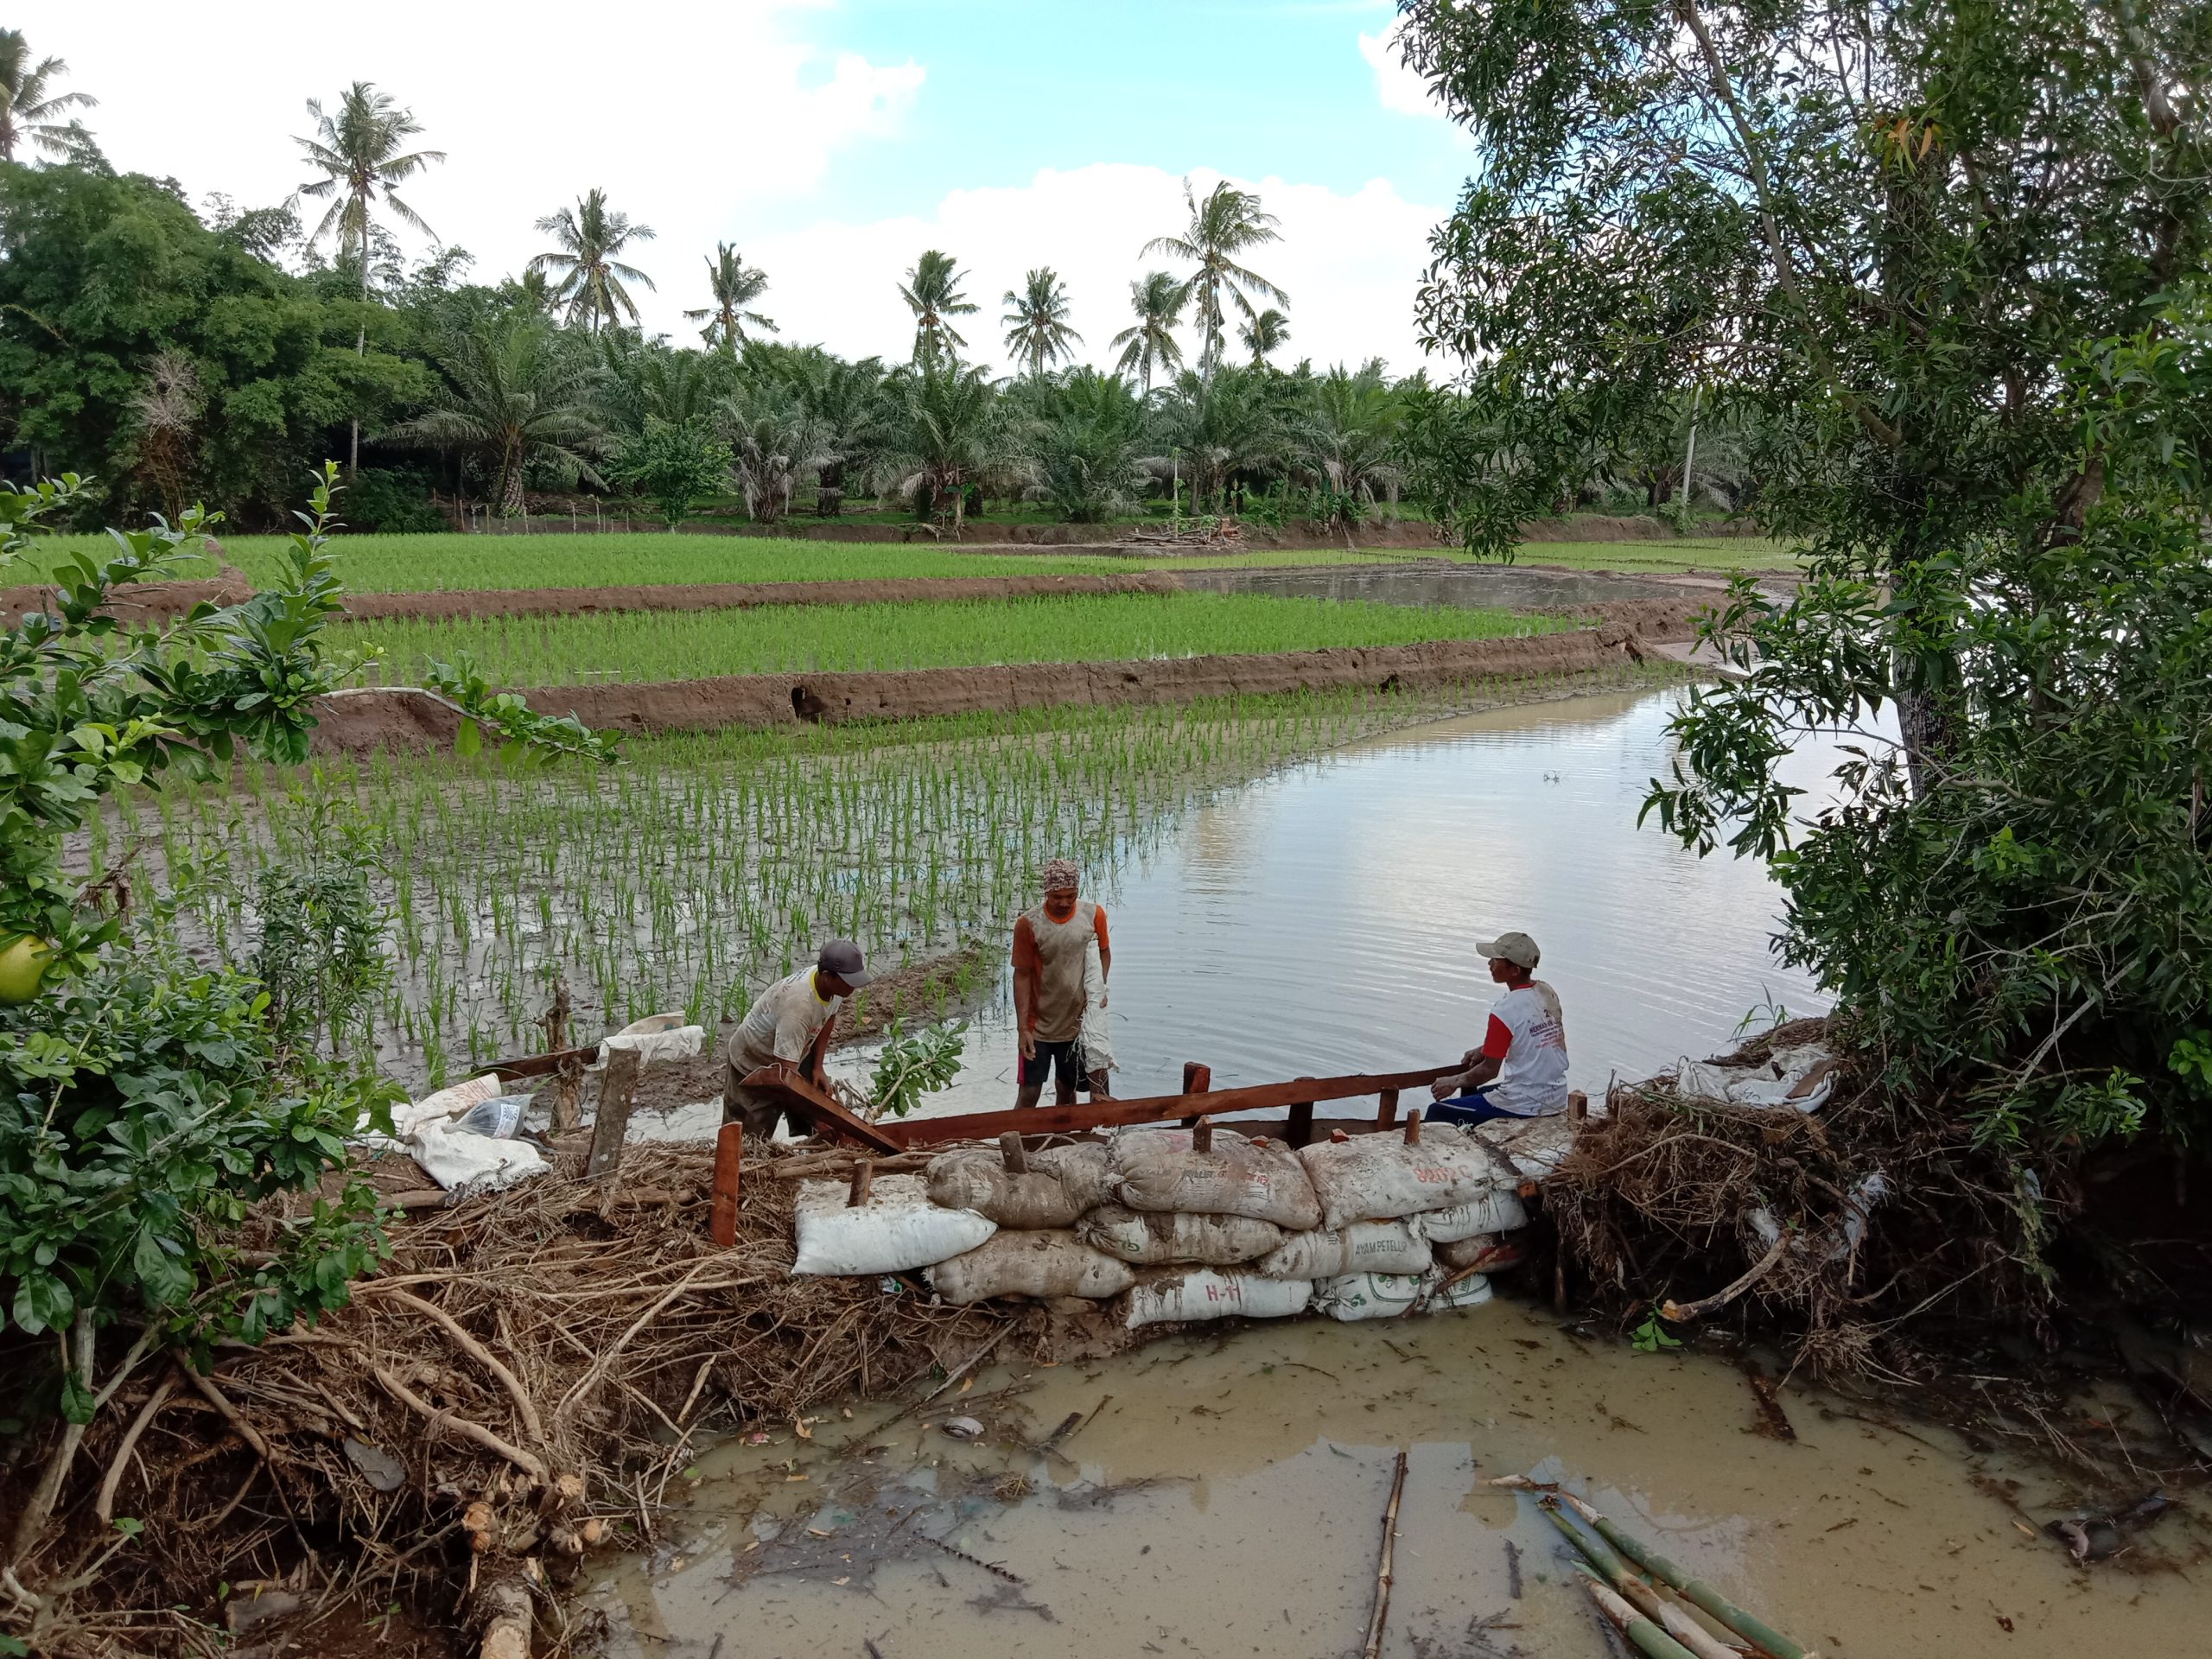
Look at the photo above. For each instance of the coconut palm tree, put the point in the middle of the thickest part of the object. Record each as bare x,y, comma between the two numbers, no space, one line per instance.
359,151
591,234
29,104
1264,333
954,431
774,443
931,291
1346,438
515,393
1158,300
1226,225
735,288
1037,320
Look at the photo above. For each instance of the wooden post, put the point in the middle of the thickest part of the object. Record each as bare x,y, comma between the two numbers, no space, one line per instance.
1201,1134
1388,1114
722,1219
618,1092
1578,1106
568,1092
1413,1127
1011,1155
1299,1130
1197,1080
863,1177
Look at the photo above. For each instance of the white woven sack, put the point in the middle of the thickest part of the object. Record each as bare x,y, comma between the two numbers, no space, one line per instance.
1202,1293
1378,1176
1157,1239
1040,1264
1363,1247
1501,1211
896,1231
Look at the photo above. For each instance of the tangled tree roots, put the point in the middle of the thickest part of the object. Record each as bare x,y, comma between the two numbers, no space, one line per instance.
1842,1227
520,1383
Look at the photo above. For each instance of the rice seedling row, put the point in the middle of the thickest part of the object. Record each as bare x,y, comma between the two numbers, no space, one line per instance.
651,645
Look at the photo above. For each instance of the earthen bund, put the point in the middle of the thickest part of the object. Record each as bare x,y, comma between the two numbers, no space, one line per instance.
356,721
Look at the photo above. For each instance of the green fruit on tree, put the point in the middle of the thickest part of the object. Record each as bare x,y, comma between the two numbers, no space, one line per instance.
22,965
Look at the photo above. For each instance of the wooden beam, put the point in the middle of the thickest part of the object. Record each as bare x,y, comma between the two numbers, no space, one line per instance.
618,1093
1157,1108
818,1104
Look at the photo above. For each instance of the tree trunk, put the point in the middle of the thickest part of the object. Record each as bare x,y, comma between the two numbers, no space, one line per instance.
360,350
511,500
39,1510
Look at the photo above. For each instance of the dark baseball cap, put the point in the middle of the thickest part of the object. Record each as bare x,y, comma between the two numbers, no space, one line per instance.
842,958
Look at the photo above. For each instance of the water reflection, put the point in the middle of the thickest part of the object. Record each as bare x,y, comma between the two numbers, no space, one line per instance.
1324,920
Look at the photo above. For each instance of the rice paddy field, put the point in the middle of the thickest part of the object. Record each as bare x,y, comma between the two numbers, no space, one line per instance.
702,868
649,646
434,563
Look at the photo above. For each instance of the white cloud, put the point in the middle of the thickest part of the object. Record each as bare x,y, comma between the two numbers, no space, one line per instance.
692,117
1400,88
1351,263
707,122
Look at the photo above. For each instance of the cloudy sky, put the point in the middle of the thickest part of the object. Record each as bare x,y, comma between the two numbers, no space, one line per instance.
832,144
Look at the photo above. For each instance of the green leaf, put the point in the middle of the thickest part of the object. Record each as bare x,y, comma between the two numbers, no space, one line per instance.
42,1302
468,740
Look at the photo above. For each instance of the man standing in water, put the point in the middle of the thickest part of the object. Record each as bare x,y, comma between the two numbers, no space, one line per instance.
792,1020
1050,942
1520,1069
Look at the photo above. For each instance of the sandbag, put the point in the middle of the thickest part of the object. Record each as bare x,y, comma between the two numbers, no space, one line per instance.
1469,1292
1501,1211
1204,1294
1043,1264
1369,1295
1363,1247
898,1229
1159,1170
1376,1177
1062,1183
1155,1239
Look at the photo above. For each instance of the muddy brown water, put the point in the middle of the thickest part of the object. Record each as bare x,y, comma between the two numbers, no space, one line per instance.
1227,1500
1508,587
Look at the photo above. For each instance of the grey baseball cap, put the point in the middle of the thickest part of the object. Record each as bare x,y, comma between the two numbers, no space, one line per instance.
842,958
1516,948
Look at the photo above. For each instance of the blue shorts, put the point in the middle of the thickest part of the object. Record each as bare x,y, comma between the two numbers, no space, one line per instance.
1467,1110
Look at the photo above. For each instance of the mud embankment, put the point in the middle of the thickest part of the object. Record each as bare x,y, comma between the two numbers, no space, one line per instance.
140,605
359,720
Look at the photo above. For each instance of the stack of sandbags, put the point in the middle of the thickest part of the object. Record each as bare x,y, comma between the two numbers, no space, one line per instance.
1044,1264
1058,1186
1202,1188
1036,1198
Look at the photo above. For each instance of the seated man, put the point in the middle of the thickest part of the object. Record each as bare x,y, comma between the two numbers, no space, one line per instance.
1520,1069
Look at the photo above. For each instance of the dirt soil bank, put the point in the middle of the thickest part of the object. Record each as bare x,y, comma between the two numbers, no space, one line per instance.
356,721
744,596
149,602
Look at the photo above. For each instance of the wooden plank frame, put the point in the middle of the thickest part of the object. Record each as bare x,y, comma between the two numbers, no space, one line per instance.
897,1137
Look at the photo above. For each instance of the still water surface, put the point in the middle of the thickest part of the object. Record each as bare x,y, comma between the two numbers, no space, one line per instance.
1324,920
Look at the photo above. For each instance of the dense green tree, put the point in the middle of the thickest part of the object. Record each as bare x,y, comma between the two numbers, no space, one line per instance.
671,464
1345,436
1947,262
1158,300
851,412
1222,425
774,444
517,396
1222,228
931,291
30,105
101,274
358,152
734,286
954,431
593,281
1037,328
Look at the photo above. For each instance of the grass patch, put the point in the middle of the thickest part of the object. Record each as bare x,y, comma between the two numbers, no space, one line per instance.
1723,553
648,645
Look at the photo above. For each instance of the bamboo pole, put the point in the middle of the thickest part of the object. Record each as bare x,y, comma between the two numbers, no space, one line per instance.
1700,1642
1752,1629
1382,1612
1645,1636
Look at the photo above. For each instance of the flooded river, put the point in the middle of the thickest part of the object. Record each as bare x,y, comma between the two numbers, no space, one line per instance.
1323,920
1226,1499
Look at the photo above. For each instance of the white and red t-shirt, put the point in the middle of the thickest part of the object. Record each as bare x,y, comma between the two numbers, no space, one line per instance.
1527,1038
